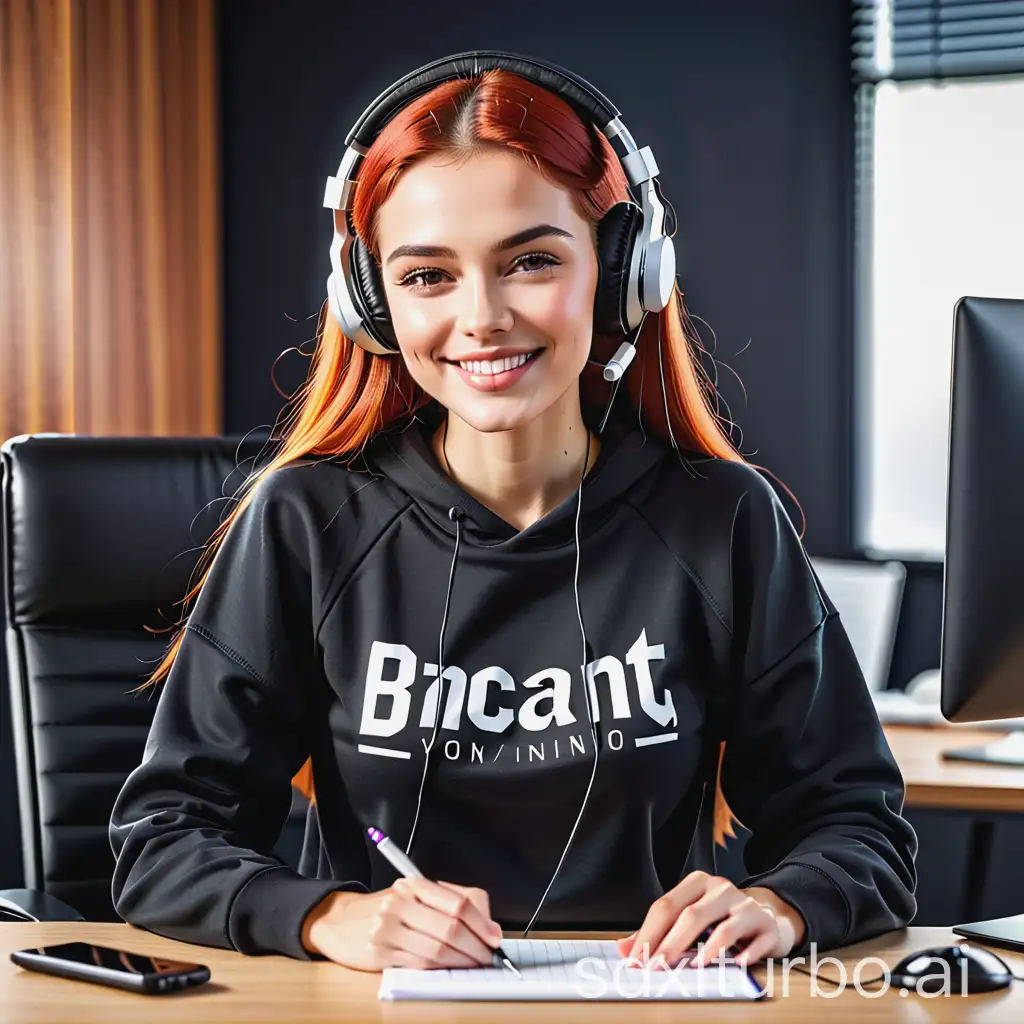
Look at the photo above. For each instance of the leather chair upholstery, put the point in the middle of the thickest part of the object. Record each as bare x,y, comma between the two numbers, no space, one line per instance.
100,538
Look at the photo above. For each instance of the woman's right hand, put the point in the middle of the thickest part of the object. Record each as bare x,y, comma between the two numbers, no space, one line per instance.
416,923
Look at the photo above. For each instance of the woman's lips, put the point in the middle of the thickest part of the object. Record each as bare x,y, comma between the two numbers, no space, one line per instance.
496,381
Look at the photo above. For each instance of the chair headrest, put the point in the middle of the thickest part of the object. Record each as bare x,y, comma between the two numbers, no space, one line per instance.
106,531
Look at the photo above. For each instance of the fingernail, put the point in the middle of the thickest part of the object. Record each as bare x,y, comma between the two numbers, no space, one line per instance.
494,929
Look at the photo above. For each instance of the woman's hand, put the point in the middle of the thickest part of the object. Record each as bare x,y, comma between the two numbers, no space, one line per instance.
415,923
755,919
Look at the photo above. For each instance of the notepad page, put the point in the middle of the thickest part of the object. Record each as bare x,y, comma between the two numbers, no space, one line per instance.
568,969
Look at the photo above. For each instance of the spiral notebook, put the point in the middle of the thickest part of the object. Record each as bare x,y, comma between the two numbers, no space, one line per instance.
569,969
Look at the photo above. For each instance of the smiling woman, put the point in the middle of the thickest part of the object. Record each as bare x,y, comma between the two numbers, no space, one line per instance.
509,629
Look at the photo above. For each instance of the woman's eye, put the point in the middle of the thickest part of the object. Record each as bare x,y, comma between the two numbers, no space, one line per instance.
418,279
534,261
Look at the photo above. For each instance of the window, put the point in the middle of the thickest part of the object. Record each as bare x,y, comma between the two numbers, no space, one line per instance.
940,214
947,219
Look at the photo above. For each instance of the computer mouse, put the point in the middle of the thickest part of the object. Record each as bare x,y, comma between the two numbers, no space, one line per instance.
956,969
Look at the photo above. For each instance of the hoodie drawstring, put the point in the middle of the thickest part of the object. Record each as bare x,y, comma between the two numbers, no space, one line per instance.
456,515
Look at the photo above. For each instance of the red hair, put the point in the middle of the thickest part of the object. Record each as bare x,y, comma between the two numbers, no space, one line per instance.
350,395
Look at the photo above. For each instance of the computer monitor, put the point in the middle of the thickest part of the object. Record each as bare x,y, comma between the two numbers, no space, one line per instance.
982,661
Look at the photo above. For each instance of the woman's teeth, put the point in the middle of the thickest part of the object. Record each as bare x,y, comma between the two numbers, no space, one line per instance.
492,366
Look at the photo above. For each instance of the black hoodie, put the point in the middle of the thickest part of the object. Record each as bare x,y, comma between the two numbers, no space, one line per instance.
318,632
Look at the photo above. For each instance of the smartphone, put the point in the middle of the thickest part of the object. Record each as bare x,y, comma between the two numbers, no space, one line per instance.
102,965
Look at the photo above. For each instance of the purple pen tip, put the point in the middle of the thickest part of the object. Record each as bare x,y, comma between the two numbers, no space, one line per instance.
375,834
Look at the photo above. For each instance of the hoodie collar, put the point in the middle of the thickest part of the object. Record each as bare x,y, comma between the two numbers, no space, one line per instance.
406,458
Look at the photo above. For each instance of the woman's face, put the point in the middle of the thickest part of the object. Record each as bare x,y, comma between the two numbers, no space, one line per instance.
485,263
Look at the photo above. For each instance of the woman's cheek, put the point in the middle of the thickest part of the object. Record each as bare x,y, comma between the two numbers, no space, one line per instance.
548,312
417,334
412,324
576,301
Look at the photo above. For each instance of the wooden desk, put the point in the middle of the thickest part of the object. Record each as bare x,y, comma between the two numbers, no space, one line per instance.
252,989
959,785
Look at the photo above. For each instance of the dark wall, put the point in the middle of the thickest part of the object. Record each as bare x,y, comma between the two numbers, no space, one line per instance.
747,106
749,109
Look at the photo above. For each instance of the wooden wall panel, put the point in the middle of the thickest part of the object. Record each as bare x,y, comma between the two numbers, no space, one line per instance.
110,310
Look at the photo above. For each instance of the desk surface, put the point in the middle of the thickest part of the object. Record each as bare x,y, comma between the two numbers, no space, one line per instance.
963,785
251,989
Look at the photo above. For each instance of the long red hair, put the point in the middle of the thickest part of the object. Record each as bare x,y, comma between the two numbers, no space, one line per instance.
350,395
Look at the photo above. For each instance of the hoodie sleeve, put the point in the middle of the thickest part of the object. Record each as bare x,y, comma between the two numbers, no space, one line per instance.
807,768
194,825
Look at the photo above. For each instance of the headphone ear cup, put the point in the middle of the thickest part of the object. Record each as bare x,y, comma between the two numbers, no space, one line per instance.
616,234
369,297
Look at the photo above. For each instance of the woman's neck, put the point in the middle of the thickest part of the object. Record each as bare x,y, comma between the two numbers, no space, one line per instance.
520,474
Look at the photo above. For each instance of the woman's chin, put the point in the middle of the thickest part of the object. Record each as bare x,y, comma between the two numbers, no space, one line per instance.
494,415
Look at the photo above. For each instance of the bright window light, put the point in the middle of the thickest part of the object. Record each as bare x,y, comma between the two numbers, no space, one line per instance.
947,220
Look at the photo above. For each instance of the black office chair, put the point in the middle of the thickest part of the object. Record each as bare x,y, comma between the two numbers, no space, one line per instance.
100,539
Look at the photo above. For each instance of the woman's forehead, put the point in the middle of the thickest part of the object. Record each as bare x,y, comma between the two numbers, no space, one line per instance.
480,199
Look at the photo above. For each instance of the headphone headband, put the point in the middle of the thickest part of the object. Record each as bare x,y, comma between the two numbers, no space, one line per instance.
589,103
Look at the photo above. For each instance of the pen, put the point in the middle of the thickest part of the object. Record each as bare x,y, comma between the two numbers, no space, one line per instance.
405,867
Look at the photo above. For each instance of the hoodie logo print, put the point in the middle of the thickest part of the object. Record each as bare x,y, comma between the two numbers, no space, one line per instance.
391,673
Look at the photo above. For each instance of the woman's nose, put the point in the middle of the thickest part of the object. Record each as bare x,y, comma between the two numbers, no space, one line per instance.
483,310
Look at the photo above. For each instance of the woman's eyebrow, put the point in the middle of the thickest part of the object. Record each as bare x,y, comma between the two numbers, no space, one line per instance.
443,252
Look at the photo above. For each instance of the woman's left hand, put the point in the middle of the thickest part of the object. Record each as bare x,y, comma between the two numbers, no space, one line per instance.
755,919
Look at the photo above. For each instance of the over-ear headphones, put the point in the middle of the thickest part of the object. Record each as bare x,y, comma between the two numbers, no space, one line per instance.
636,258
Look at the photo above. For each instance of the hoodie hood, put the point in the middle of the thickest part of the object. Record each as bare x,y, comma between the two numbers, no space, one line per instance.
406,458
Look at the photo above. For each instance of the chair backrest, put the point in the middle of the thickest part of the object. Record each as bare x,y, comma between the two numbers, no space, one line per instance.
100,539
868,596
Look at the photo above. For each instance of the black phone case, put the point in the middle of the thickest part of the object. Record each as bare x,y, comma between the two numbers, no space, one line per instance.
147,984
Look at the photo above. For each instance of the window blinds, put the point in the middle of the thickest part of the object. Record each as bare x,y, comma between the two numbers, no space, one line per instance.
904,40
